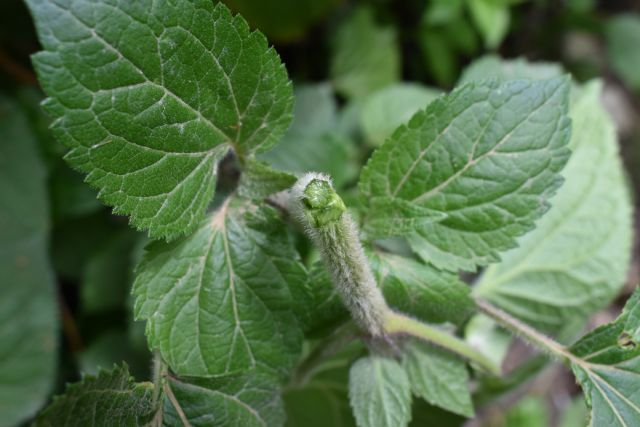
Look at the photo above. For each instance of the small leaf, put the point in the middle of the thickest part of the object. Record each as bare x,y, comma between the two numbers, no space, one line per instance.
379,393
247,401
313,142
365,56
106,280
220,301
259,180
323,399
492,66
28,308
623,38
531,411
438,377
492,19
148,97
110,398
421,290
607,364
383,111
324,307
488,155
576,259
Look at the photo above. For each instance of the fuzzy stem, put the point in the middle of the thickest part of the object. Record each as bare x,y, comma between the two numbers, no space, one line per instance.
329,225
319,208
397,323
525,331
159,371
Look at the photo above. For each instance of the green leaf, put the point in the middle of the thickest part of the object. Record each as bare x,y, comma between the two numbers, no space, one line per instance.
492,20
106,281
576,259
323,400
438,377
623,38
110,398
492,66
488,155
325,307
421,290
606,363
575,414
243,401
259,180
398,217
110,348
28,308
149,97
383,111
379,393
312,143
220,301
70,196
365,56
529,412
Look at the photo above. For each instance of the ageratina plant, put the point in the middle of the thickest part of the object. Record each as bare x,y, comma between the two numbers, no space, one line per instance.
151,97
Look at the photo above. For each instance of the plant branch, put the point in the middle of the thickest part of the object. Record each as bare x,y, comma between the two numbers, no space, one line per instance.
176,405
159,375
538,339
397,323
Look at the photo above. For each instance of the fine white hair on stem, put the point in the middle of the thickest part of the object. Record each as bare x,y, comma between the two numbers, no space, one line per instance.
335,234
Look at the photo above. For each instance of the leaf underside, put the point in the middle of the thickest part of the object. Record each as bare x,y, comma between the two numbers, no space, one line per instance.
576,259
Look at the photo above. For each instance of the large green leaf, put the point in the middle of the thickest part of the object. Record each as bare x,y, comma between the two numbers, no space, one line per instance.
150,95
438,377
28,307
220,301
238,401
422,291
607,364
110,398
576,259
488,156
623,38
379,393
365,56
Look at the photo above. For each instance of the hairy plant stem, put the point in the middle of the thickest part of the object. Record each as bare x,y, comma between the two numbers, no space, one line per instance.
397,323
159,371
536,338
326,220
